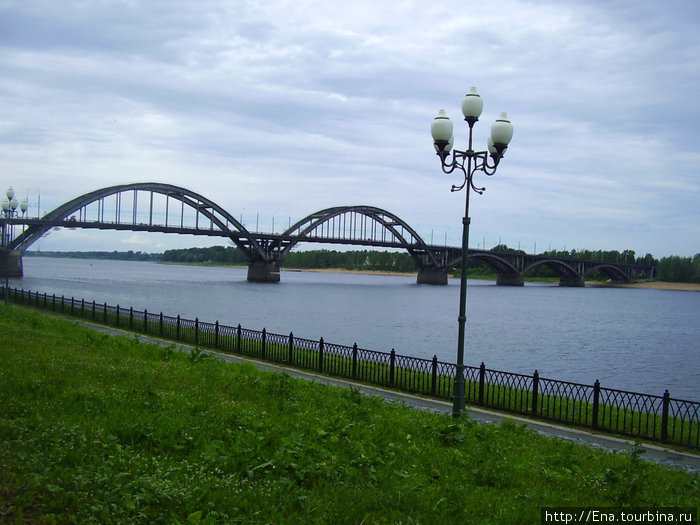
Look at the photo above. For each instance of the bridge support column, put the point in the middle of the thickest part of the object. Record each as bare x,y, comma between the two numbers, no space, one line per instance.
11,263
264,272
574,281
510,279
432,275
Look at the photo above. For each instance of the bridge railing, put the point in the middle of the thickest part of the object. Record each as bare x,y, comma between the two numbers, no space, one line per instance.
645,416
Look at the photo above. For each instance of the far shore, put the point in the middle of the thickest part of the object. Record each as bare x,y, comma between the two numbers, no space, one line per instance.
655,285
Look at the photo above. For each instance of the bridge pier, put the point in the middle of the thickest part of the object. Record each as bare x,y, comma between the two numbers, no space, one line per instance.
432,275
573,281
264,272
510,279
11,263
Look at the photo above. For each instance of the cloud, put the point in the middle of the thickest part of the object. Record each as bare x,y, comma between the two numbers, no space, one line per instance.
282,108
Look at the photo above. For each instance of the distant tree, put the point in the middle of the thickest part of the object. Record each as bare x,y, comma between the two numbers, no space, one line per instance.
676,269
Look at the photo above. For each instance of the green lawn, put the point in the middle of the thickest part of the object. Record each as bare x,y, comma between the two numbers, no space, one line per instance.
101,429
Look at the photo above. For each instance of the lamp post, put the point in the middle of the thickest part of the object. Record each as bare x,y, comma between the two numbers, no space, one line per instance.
468,162
9,210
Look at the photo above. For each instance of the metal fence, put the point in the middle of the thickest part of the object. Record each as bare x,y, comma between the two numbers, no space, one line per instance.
644,416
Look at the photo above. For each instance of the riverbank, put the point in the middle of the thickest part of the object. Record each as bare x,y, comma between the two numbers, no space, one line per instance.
656,285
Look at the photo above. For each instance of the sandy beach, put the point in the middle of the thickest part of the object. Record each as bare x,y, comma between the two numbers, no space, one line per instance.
656,285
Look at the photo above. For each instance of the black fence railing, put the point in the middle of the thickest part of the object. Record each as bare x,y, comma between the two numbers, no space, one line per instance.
644,416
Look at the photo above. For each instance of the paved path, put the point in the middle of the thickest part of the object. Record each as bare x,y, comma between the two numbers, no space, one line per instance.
657,453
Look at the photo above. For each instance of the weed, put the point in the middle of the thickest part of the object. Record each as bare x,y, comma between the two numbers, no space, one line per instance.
197,355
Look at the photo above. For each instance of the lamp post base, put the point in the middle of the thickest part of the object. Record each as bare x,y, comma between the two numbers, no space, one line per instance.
11,263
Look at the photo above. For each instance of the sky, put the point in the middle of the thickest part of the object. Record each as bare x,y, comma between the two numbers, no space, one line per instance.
277,109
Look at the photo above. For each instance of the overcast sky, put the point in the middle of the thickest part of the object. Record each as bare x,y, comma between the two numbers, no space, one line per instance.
277,109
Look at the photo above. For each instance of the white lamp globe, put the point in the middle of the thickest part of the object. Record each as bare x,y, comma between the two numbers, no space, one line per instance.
502,131
472,105
441,127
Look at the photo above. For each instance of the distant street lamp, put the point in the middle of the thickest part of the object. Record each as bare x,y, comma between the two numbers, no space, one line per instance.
9,210
486,161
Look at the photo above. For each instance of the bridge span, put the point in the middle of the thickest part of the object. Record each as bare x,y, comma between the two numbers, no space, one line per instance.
157,207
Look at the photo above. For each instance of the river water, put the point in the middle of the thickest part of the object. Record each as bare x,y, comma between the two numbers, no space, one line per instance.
633,339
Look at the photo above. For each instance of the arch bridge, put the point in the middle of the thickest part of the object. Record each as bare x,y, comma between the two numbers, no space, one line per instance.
157,207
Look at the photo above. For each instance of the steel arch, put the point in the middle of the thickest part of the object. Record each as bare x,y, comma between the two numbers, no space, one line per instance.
405,236
611,271
207,208
560,267
500,264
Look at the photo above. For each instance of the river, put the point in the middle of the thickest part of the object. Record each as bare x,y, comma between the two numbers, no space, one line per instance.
642,340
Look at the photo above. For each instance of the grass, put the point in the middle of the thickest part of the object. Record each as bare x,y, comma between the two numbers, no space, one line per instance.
102,429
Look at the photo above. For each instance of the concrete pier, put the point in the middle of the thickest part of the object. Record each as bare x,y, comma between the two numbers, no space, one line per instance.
432,275
573,281
510,279
264,272
11,263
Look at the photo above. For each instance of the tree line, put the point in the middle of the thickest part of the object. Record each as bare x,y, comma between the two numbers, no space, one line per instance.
671,269
306,260
114,255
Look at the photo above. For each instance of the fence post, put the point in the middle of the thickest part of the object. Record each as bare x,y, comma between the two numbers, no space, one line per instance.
216,334
105,313
177,334
482,376
117,322
535,391
290,356
596,403
392,363
664,416
433,383
94,307
238,338
82,306
196,331
72,306
53,302
320,355
145,321
131,318
63,303
160,322
264,339
354,361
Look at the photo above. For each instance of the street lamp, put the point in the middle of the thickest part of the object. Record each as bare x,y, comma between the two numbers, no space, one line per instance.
9,210
468,162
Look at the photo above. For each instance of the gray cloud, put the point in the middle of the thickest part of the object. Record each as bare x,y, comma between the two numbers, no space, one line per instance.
283,108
